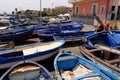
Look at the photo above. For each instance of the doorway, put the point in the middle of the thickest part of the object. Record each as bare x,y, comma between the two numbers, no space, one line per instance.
118,14
94,9
113,14
76,10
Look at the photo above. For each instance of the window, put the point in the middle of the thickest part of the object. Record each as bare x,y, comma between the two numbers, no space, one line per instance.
113,8
102,9
76,10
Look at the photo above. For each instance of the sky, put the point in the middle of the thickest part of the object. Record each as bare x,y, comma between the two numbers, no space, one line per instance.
10,5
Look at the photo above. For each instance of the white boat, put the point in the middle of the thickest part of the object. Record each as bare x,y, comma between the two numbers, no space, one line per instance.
32,52
64,18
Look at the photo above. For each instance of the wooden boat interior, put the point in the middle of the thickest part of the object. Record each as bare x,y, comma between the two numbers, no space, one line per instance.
28,51
105,39
12,29
70,68
7,45
107,56
99,40
27,72
111,56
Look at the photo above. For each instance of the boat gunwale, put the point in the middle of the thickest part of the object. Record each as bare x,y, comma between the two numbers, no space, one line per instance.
23,47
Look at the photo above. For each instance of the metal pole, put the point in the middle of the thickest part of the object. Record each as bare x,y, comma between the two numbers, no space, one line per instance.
40,9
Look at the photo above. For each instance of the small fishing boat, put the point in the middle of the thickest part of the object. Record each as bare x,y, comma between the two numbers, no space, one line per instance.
46,35
34,52
4,22
64,18
27,70
69,66
111,39
57,26
72,37
107,57
66,26
4,25
16,33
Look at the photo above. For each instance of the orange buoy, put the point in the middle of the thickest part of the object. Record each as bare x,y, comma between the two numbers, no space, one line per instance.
72,75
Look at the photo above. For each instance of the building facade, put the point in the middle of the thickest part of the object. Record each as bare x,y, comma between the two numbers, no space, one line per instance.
103,9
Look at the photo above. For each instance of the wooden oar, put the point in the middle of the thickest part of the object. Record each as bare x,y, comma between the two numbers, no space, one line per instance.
110,31
108,49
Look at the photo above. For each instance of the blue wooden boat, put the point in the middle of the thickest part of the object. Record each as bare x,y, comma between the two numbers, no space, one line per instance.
48,35
105,56
38,26
77,25
21,21
111,39
57,26
69,66
33,52
16,33
66,26
45,19
27,70
71,37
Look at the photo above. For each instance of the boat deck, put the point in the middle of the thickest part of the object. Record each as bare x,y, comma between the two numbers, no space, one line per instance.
77,71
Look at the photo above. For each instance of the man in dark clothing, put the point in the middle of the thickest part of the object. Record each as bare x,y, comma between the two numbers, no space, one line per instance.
100,28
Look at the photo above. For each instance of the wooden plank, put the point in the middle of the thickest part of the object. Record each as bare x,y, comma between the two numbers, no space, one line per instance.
107,54
115,51
93,50
114,61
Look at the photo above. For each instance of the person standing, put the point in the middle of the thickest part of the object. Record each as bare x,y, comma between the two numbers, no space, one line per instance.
107,27
100,28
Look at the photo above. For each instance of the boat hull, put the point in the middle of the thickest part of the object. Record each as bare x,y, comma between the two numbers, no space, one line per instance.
18,36
30,70
45,37
65,63
36,59
73,37
33,52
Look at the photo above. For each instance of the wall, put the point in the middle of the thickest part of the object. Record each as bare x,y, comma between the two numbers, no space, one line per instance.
85,8
102,15
84,20
114,23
